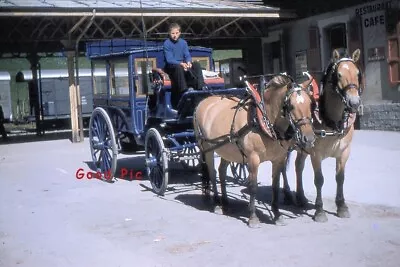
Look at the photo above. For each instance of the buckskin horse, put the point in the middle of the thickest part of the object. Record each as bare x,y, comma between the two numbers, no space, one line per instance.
227,125
339,100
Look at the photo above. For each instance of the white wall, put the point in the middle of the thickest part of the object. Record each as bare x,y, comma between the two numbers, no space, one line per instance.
373,21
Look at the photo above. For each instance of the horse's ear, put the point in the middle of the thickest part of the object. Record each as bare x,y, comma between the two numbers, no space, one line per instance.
356,55
335,55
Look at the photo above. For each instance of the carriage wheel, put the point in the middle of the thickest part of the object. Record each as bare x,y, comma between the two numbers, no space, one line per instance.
240,172
125,142
190,163
103,146
156,161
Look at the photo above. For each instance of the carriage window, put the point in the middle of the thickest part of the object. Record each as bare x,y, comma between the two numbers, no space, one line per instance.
99,78
142,84
119,80
204,62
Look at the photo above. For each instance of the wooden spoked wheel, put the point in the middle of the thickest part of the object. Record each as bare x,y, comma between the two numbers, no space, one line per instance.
190,151
103,146
156,161
240,172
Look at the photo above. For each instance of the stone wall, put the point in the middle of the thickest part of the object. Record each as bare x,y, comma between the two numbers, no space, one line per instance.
384,117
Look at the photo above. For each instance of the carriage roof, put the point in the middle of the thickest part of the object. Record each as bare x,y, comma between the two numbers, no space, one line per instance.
124,47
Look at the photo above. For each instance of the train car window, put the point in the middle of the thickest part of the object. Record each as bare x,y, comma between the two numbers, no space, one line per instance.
119,80
204,62
99,78
142,82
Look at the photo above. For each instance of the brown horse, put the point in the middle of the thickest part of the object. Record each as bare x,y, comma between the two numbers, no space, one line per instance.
339,100
225,125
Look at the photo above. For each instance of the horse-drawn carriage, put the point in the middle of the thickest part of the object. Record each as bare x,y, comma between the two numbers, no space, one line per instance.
132,108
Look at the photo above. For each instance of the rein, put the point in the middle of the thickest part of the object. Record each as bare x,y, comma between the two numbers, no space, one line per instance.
330,77
233,136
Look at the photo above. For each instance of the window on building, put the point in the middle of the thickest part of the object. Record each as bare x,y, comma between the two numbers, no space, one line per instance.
393,30
337,37
393,57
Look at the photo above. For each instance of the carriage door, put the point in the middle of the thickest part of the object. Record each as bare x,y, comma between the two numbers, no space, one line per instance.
272,53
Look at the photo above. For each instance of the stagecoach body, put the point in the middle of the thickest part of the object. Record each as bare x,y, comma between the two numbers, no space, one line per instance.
133,103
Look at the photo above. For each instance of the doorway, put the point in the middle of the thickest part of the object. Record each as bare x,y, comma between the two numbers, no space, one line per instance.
272,53
335,38
272,57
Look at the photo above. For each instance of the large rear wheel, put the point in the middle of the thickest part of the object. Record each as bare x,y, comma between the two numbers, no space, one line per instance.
156,161
240,172
103,146
190,152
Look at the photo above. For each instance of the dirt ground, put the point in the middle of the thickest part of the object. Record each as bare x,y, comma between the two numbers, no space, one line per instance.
48,217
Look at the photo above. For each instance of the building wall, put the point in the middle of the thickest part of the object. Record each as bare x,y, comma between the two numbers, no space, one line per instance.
373,29
366,28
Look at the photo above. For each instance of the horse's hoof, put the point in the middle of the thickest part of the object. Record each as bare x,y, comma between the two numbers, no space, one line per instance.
218,210
302,201
280,222
320,216
254,223
343,213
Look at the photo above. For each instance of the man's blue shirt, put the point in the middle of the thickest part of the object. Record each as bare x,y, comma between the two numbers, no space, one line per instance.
176,52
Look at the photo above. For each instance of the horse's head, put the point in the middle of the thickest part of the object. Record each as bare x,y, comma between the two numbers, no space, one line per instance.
297,109
346,79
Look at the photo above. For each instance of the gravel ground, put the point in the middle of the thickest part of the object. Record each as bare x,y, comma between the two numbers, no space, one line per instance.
50,218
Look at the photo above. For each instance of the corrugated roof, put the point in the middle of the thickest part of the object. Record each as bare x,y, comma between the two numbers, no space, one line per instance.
128,4
218,8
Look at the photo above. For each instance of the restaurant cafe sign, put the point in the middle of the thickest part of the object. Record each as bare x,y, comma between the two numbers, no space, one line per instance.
372,15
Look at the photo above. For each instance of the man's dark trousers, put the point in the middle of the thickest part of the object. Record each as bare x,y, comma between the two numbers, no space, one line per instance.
181,80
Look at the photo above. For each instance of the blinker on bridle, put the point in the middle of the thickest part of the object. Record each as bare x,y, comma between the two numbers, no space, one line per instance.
333,70
287,108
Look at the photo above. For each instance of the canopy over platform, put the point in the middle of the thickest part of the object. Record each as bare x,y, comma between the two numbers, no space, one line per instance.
133,8
31,26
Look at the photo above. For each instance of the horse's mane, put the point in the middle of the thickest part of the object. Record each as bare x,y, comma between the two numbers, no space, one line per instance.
279,81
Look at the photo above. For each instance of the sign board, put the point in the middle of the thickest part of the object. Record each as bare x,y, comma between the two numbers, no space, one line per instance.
376,53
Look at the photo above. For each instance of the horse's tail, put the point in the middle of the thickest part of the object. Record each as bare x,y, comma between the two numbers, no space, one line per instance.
203,171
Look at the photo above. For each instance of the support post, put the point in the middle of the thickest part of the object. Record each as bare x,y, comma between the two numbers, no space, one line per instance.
34,61
78,91
73,97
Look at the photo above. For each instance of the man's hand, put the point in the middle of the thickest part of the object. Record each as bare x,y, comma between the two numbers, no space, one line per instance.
189,64
184,65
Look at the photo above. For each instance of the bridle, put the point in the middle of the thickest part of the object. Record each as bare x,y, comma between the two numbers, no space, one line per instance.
287,107
332,74
331,77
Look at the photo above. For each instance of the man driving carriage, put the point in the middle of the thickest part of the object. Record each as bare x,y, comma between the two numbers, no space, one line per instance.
179,66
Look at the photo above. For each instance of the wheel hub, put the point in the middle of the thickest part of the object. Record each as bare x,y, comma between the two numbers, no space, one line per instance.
151,162
98,145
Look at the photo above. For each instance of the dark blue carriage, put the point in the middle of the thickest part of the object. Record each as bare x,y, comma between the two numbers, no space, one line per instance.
132,107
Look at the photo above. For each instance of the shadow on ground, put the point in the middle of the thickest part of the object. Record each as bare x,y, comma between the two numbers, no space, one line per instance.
238,204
